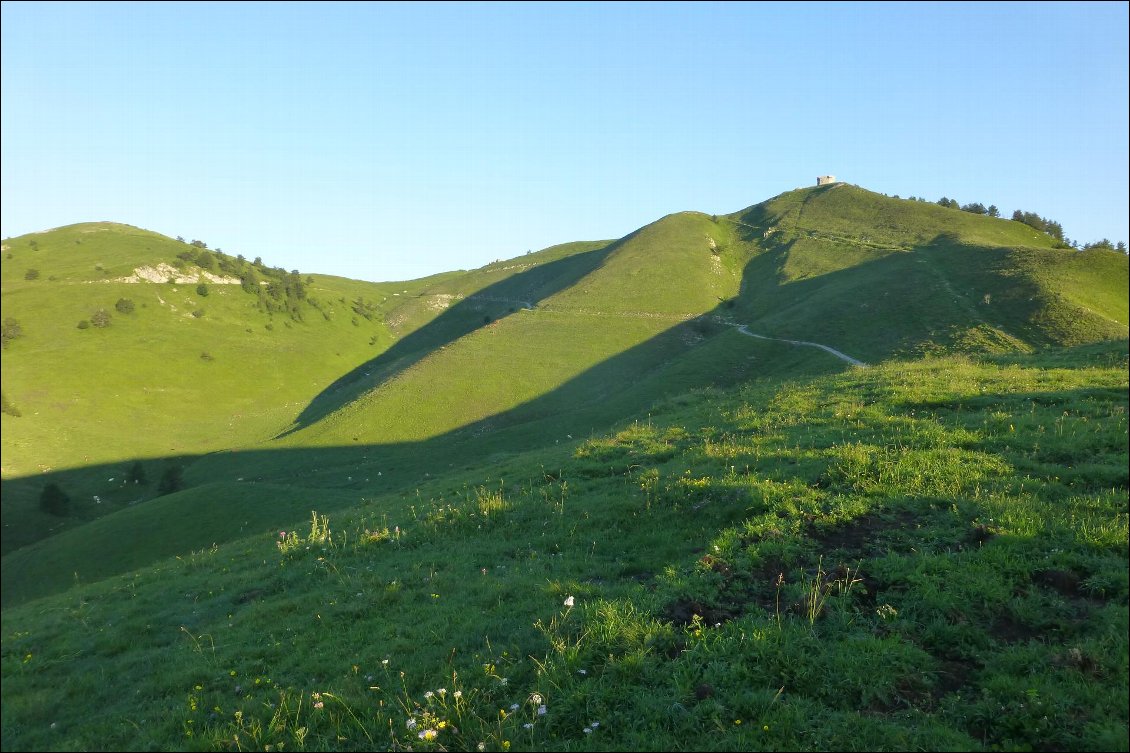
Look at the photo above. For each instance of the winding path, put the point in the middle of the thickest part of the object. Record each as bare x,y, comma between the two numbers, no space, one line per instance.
842,356
530,306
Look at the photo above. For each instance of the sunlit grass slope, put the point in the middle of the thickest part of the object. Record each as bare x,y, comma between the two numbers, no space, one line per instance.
876,276
925,554
638,288
181,373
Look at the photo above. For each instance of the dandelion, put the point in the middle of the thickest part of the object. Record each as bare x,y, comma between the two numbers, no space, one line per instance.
569,601
428,735
541,710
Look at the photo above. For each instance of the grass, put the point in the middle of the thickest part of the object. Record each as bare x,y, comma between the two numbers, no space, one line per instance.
560,502
925,554
497,353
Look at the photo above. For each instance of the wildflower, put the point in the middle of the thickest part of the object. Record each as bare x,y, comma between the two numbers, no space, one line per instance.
429,694
428,734
528,725
319,705
582,671
535,698
457,694
513,707
569,601
594,725
442,692
482,746
541,710
282,534
384,662
587,730
411,723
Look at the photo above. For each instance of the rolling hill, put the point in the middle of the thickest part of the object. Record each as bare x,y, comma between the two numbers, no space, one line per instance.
559,343
591,420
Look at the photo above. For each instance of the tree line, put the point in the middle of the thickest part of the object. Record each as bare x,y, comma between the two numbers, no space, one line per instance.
1032,220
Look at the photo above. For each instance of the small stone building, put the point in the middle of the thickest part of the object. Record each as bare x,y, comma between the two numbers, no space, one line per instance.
825,180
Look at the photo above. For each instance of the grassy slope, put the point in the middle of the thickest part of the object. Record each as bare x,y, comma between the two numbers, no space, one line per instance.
876,277
463,369
646,283
920,555
76,389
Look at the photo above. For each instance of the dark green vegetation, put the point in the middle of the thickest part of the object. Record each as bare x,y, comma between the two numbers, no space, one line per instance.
568,480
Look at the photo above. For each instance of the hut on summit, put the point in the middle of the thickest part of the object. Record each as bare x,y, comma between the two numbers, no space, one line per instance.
825,180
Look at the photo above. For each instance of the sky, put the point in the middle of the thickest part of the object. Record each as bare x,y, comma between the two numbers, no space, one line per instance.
392,141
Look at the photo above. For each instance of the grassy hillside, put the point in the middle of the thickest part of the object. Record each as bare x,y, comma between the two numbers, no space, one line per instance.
877,277
384,378
925,554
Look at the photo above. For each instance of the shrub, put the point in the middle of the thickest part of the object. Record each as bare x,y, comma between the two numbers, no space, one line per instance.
136,473
100,318
124,306
31,274
202,290
171,480
53,500
84,324
11,330
7,407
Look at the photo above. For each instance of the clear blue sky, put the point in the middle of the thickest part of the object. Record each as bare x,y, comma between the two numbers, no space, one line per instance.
391,141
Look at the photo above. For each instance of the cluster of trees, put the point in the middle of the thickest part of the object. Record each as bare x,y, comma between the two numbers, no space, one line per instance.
973,208
277,290
1106,245
1032,220
1043,224
100,318
54,501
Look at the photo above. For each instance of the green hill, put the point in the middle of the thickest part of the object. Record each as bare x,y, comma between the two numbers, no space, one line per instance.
923,554
518,354
573,477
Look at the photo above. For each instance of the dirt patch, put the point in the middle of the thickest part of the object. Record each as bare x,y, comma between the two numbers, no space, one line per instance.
861,535
683,612
1010,630
1067,583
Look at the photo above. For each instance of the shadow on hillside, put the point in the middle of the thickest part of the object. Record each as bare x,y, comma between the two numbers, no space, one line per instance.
900,290
496,301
